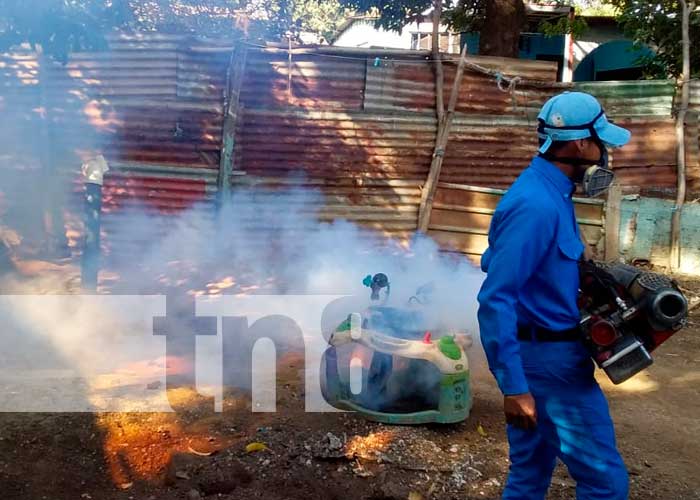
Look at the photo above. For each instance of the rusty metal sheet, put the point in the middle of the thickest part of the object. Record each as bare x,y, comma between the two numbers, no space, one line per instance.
485,153
633,98
359,132
316,81
201,76
134,191
695,95
151,104
410,86
377,203
334,146
649,160
544,71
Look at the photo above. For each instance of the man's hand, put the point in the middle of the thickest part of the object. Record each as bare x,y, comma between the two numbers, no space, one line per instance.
9,237
520,410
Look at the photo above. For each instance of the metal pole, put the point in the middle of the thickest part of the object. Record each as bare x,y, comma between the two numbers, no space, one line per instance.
93,172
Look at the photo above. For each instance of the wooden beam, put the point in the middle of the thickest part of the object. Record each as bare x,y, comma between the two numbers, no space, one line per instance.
232,111
612,222
443,133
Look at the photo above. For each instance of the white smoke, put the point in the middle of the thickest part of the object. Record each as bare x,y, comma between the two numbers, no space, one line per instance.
272,241
262,242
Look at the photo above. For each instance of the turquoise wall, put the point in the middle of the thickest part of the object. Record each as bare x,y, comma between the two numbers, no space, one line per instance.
531,45
616,54
645,231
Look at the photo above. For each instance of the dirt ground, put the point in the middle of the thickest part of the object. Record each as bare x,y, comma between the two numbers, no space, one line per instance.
196,453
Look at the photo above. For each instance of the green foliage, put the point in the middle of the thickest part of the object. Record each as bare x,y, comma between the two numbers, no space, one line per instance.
58,26
62,26
466,15
393,15
564,26
601,8
658,25
318,16
459,15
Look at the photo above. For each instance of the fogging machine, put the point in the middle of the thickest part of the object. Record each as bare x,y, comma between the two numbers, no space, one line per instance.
626,313
407,376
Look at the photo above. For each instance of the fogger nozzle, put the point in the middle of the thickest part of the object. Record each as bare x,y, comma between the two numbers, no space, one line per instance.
376,283
668,308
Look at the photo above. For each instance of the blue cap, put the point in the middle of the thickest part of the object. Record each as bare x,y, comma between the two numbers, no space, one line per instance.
576,115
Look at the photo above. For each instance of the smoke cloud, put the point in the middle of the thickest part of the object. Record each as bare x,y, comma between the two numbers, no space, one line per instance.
261,243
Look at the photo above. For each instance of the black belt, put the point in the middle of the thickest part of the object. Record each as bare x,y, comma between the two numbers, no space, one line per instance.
529,333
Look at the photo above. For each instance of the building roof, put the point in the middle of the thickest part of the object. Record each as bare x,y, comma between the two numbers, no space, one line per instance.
544,12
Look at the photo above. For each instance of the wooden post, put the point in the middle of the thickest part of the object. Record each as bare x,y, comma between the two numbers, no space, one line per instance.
612,222
54,189
289,70
443,133
675,253
437,60
232,111
90,260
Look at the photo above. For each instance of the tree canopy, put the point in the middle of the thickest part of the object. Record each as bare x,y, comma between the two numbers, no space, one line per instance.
654,23
62,26
658,25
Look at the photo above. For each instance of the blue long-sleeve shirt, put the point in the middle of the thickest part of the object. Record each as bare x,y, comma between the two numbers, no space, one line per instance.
532,268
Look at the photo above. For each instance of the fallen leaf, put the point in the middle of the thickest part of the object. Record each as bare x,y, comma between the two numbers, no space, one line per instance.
481,430
253,447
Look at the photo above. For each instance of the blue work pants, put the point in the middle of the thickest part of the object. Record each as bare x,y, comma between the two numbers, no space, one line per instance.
573,424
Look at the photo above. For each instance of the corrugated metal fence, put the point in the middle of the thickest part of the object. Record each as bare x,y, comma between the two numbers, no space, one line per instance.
368,141
152,105
356,126
647,109
361,127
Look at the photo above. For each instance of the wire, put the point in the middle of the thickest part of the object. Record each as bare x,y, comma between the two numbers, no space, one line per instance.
336,56
512,81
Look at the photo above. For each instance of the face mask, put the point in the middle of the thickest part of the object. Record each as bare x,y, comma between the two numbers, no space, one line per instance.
596,180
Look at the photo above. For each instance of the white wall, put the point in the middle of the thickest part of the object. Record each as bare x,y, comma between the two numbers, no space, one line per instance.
363,34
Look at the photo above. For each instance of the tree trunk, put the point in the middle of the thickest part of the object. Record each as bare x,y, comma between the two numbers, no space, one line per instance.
504,21
675,254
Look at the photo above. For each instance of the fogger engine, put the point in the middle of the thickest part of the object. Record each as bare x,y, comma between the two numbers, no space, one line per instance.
626,313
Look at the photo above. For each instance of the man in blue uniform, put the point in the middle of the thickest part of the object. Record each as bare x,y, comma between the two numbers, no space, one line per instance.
528,312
